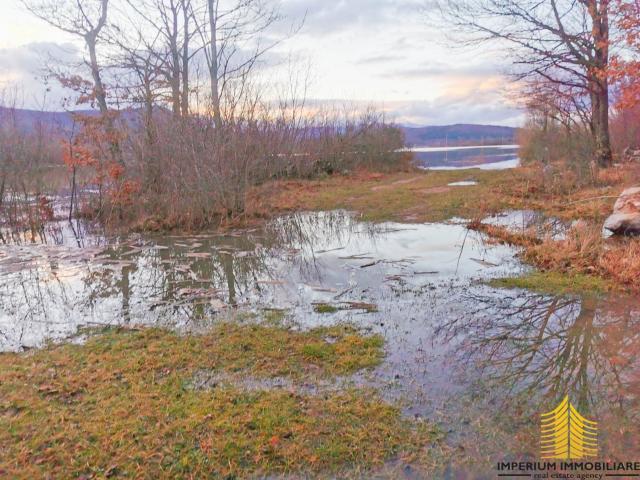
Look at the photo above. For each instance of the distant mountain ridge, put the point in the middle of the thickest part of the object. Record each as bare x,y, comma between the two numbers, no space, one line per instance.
429,136
54,122
459,135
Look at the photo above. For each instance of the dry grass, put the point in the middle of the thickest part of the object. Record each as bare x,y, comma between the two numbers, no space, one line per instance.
424,196
121,406
503,235
584,252
416,196
556,191
622,262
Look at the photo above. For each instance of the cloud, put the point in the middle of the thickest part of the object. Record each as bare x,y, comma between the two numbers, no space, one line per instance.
25,67
483,104
481,107
466,99
380,59
441,69
330,17
444,111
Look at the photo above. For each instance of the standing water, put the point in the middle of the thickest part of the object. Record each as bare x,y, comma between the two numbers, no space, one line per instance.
498,157
480,362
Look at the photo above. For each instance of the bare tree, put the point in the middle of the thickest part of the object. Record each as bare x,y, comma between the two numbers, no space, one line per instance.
173,22
564,104
563,42
187,54
232,43
140,60
85,19
80,18
144,87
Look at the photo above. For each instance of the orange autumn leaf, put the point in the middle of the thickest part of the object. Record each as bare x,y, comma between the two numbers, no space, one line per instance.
76,155
626,71
115,170
274,441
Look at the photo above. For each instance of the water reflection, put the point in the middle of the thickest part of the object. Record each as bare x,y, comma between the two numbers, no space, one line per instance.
456,158
50,289
520,354
165,281
481,362
530,222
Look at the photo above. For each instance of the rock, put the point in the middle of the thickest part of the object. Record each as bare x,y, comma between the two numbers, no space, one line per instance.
626,214
631,155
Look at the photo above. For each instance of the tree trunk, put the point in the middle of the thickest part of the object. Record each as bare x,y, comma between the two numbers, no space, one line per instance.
185,60
175,61
213,64
175,80
73,193
599,12
101,98
600,114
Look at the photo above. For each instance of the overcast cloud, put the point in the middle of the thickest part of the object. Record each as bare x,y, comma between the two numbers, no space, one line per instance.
376,52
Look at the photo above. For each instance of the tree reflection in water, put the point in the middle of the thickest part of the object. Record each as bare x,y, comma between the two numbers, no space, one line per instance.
531,350
49,288
508,356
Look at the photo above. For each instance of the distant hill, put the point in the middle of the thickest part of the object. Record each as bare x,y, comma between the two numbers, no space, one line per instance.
55,122
459,135
431,136
32,119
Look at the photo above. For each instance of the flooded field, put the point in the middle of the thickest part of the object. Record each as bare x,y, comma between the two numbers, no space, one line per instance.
458,158
480,362
72,278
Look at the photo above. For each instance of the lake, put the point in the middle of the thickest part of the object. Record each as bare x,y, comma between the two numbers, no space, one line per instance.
456,158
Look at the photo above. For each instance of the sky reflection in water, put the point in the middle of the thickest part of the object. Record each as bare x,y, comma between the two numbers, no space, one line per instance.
481,362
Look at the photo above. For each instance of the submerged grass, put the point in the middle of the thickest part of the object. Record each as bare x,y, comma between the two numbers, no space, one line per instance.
334,308
325,308
556,283
120,406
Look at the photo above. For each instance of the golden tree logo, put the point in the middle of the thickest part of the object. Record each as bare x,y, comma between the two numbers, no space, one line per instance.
565,434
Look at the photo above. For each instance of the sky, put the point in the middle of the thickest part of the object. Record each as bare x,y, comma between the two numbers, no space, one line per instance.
384,53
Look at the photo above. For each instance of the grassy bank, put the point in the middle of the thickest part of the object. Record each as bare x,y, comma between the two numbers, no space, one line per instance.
409,196
426,196
128,404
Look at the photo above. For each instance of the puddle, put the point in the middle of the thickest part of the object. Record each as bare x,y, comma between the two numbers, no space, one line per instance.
482,363
465,183
530,222
50,289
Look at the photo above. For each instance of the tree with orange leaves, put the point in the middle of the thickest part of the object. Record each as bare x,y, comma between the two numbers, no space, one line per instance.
75,155
626,71
562,43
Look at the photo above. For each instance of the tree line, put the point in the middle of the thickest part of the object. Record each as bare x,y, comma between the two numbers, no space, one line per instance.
183,122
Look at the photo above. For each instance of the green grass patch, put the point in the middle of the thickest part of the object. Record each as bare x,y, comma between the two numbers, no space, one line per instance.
121,406
556,283
416,196
329,308
325,308
272,351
